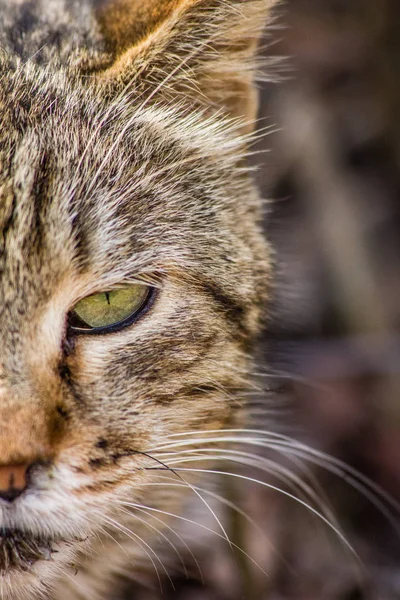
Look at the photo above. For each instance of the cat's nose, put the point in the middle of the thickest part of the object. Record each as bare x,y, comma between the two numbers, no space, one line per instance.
13,481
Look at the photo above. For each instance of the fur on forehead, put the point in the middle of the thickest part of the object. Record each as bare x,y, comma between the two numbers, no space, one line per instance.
127,173
147,132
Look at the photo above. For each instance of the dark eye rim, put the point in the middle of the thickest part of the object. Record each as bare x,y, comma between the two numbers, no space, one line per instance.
76,326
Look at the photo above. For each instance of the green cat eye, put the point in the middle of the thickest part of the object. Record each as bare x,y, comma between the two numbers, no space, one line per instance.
109,311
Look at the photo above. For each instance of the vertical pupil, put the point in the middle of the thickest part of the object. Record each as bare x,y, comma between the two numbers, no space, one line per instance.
103,309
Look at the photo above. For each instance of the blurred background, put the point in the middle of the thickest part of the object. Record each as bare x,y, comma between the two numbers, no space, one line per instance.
331,352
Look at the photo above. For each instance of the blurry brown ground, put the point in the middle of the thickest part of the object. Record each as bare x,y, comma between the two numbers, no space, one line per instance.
333,171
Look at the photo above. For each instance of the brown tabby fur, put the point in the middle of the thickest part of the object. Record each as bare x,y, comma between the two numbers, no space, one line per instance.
122,144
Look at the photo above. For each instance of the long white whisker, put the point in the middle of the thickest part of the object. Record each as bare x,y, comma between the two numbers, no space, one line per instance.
169,514
255,461
142,544
277,441
158,532
363,488
196,562
270,486
194,491
225,502
291,448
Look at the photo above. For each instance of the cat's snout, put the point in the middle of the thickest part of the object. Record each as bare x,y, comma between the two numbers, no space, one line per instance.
29,434
13,481
16,478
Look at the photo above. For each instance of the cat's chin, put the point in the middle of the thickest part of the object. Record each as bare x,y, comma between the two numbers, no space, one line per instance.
19,551
30,565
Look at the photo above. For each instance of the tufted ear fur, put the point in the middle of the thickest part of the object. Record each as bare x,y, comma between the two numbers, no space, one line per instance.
202,50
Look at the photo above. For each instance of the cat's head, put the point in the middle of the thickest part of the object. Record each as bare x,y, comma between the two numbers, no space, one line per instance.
132,267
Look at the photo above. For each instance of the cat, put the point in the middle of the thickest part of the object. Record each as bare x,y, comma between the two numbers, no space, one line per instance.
133,272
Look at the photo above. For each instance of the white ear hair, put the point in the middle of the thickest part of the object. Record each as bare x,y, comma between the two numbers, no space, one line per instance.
204,52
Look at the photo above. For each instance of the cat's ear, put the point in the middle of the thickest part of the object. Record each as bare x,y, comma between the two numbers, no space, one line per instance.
201,49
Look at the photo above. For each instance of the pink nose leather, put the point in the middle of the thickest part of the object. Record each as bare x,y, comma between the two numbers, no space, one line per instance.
13,481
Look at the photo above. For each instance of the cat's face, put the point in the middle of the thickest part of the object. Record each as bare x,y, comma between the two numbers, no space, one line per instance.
106,187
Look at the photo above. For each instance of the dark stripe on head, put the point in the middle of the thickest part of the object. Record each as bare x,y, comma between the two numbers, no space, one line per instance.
41,193
82,257
230,307
8,219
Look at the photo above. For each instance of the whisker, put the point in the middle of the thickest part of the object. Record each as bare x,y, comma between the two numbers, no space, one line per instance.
261,463
196,562
272,487
142,544
278,442
114,539
295,483
227,503
190,521
356,480
193,489
367,489
164,537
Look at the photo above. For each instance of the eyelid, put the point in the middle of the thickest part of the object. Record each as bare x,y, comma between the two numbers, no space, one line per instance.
73,330
153,279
